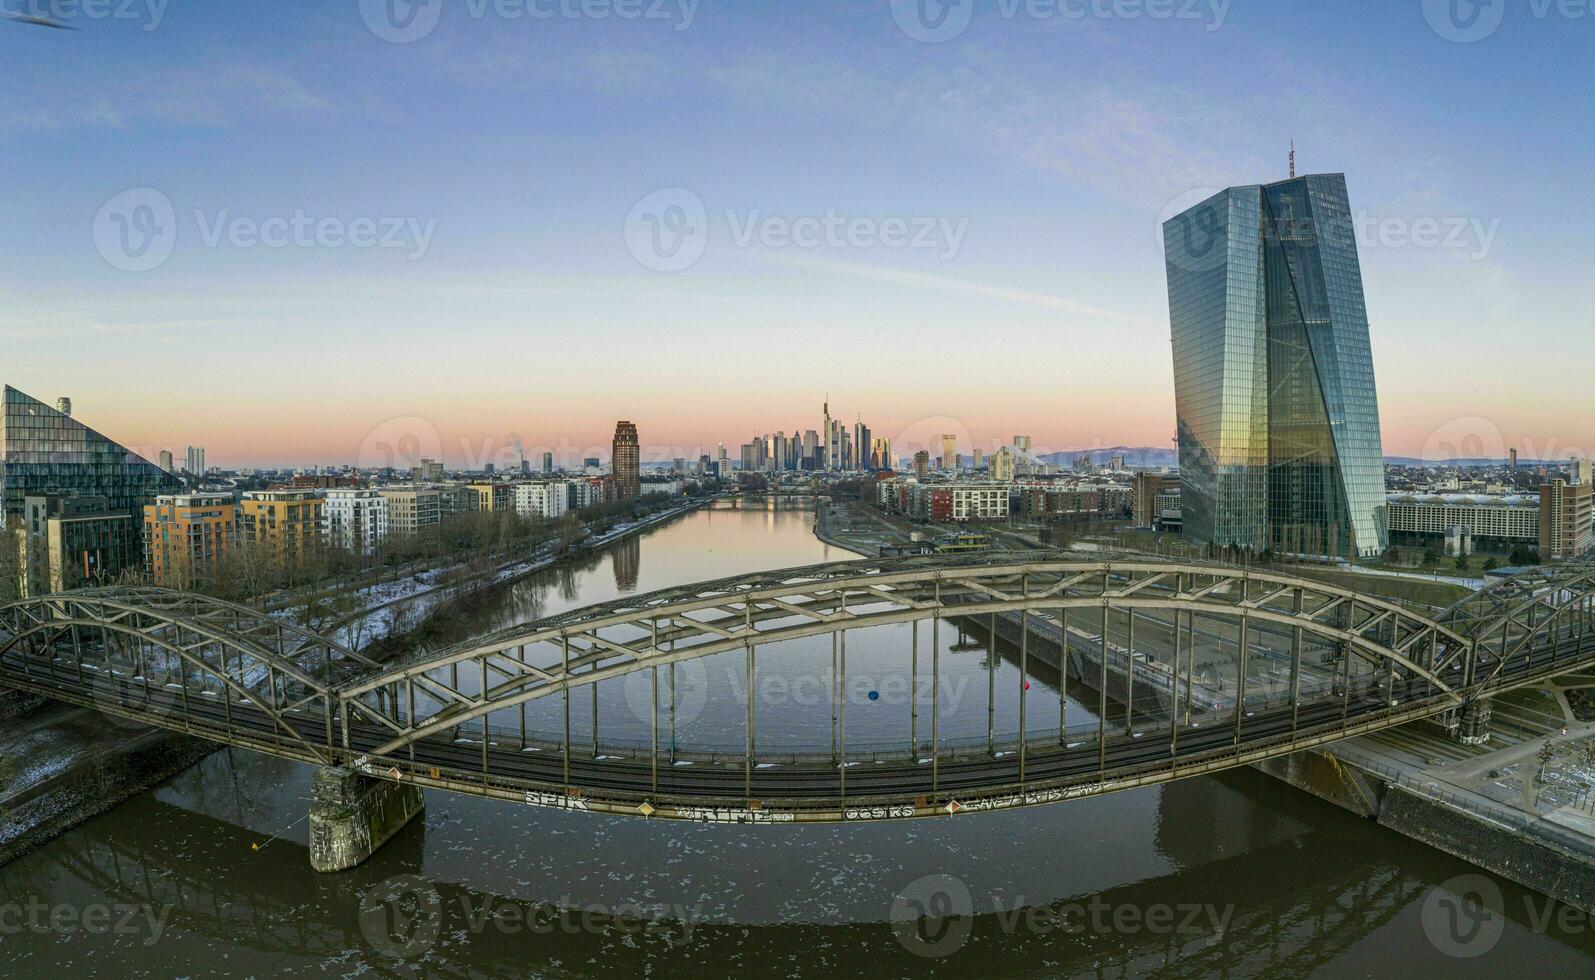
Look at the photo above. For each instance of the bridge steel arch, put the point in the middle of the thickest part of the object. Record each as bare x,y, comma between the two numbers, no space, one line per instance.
1335,663
159,653
617,638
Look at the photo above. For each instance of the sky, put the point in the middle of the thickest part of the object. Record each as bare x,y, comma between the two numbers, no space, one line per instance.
323,231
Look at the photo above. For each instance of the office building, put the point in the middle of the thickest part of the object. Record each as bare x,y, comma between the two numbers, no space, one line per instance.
1004,463
1492,522
1277,415
455,499
949,452
977,459
548,462
491,497
186,535
166,460
285,522
549,500
881,454
354,519
626,454
43,452
427,471
194,461
1565,520
1579,470
1146,489
413,509
68,542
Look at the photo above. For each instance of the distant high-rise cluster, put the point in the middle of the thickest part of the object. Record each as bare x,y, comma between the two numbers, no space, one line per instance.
835,447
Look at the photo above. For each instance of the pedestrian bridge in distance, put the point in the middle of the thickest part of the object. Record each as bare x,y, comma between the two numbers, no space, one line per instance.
1189,667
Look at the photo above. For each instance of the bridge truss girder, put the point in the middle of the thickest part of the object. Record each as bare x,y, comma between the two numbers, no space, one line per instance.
610,641
161,657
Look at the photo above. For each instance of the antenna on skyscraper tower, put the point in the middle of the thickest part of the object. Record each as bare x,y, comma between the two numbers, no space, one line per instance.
1292,159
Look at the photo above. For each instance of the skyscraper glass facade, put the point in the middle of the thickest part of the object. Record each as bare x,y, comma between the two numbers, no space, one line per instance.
1278,420
43,451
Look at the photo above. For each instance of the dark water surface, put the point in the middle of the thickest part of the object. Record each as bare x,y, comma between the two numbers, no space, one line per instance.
1236,876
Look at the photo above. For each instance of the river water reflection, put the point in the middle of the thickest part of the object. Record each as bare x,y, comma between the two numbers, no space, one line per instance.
208,876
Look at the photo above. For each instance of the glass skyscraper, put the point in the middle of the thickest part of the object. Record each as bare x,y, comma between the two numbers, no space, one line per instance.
1278,420
43,451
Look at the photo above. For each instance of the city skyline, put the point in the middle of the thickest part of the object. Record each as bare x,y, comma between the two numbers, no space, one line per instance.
1063,196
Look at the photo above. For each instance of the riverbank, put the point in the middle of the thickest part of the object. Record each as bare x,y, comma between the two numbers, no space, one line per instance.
70,764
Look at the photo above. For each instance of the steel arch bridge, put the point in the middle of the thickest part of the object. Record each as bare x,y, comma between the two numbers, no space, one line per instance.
1208,666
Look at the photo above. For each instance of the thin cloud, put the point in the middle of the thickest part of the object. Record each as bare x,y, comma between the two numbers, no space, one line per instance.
1026,297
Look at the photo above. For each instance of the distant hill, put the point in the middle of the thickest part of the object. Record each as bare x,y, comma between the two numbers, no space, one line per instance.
1135,457
1468,461
1150,457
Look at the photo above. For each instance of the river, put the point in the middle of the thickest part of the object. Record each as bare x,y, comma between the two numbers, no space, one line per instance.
207,875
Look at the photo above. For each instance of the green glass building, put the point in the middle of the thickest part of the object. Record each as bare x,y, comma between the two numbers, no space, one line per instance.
44,452
1277,415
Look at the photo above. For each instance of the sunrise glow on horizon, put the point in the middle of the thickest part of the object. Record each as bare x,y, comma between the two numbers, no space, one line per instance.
514,301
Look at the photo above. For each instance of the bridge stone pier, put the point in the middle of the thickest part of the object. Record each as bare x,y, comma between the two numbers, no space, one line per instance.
1472,725
15,704
352,815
